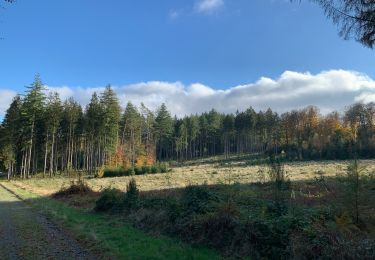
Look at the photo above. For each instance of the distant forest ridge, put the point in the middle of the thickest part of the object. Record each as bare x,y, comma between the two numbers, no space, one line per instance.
42,133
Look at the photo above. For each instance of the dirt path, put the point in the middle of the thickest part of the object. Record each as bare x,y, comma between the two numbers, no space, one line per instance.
24,234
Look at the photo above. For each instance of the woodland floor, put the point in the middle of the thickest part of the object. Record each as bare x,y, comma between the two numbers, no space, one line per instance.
25,234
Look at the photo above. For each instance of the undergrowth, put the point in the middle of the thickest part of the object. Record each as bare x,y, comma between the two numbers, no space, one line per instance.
76,187
274,220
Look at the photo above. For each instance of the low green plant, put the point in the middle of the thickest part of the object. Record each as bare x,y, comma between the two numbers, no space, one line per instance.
280,184
131,200
154,169
110,200
163,167
146,169
198,199
354,180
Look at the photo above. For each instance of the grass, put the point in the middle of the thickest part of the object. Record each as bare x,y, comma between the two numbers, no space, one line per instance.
242,211
210,173
109,236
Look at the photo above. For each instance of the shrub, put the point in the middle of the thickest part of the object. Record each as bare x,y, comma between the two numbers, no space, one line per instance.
76,187
138,171
110,200
279,183
163,167
146,169
132,195
198,199
112,172
131,171
354,191
154,169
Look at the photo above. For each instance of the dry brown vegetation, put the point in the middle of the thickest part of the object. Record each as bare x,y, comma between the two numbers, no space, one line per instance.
217,204
205,173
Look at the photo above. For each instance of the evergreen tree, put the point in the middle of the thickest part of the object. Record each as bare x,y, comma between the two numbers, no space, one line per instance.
52,120
32,111
163,131
111,117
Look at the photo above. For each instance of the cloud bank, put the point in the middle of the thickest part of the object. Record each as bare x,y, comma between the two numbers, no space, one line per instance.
329,90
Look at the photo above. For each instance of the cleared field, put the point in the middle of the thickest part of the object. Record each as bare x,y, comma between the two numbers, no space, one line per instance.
248,216
206,173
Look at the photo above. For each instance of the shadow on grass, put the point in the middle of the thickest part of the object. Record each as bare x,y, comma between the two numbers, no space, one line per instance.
304,219
103,235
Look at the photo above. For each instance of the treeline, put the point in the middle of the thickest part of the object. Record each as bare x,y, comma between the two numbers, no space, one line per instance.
42,133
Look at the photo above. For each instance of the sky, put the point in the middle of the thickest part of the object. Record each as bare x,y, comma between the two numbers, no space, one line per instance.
193,55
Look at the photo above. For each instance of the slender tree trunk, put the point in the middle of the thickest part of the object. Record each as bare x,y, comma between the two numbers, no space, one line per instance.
45,157
51,162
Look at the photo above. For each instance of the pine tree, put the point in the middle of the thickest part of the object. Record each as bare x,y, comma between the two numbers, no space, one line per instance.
11,136
163,131
111,117
131,132
32,111
52,120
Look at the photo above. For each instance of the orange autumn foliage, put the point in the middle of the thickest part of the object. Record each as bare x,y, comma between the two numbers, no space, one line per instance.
121,159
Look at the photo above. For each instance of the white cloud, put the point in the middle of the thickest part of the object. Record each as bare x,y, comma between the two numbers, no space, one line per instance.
6,97
173,14
329,90
208,6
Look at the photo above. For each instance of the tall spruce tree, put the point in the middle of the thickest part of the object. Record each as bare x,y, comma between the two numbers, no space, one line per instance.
32,111
163,132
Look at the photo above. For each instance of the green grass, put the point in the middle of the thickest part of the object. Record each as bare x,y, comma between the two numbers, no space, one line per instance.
109,236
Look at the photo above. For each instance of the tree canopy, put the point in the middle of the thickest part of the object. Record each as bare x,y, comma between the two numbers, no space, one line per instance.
54,136
355,18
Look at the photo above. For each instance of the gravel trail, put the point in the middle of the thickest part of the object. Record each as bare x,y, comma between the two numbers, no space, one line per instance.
25,234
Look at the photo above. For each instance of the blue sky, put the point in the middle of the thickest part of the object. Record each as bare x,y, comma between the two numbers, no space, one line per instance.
217,43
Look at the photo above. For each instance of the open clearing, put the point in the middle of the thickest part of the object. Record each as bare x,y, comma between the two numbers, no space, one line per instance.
234,210
205,173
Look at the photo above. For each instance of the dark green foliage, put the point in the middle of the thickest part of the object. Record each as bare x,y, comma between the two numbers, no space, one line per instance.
146,169
109,201
355,19
354,182
131,200
163,167
280,186
198,199
154,169
118,172
249,225
60,136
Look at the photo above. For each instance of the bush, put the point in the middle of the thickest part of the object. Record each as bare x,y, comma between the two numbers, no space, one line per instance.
198,199
154,169
112,172
118,172
163,167
132,195
110,200
131,171
146,169
138,171
76,187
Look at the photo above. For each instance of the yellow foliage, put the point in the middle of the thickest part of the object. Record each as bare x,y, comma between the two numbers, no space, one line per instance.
120,158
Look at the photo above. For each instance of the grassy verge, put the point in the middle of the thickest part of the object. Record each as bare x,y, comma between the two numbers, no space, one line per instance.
109,236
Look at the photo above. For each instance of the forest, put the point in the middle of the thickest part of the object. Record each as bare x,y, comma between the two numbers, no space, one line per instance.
41,133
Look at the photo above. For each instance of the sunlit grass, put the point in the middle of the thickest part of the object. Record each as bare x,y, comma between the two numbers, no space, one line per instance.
206,173
109,237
